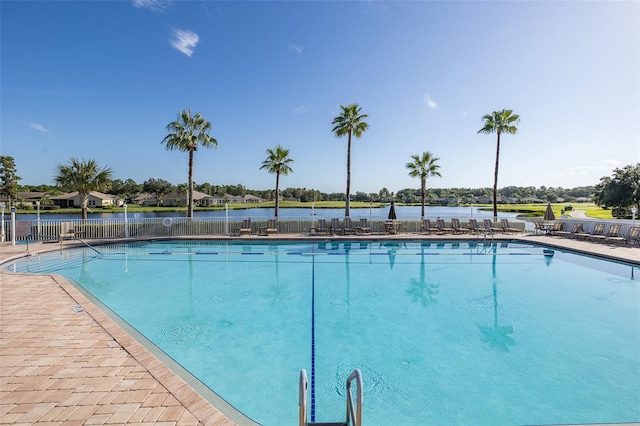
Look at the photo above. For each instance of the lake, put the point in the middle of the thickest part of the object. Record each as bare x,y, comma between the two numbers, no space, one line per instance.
402,213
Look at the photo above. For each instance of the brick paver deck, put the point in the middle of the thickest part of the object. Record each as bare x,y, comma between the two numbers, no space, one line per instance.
63,361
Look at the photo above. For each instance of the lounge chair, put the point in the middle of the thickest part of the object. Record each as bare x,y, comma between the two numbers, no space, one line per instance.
633,236
583,235
575,230
321,227
457,228
598,232
427,227
246,227
364,227
614,236
442,228
557,227
488,225
347,226
504,223
474,228
66,231
272,227
335,226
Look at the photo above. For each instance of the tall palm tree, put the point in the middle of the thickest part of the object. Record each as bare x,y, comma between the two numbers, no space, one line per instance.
186,134
499,122
83,176
423,166
351,121
277,162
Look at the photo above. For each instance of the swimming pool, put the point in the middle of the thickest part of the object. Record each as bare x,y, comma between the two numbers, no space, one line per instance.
444,333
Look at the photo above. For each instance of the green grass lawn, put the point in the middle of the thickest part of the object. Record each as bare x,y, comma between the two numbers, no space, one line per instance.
537,210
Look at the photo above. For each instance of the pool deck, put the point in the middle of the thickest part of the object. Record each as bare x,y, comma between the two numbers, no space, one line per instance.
64,361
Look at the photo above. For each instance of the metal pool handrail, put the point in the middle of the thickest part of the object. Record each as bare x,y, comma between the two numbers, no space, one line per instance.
302,398
354,414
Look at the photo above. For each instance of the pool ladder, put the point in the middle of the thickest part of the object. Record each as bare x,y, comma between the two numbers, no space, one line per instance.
354,414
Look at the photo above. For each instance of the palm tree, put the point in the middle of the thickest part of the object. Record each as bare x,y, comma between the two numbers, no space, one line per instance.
423,167
83,176
185,134
348,123
499,122
277,162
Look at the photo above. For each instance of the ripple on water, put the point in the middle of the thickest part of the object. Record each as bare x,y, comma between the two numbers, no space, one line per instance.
337,300
181,333
215,298
372,381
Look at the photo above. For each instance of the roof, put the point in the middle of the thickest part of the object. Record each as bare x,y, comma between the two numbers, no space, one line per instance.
91,193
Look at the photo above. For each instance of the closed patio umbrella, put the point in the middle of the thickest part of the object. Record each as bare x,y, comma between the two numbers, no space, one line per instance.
548,214
392,212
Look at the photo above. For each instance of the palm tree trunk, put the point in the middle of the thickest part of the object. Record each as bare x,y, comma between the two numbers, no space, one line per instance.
84,204
346,208
423,184
190,197
495,181
277,193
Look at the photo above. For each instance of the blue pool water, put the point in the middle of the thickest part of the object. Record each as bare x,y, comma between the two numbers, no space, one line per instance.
444,333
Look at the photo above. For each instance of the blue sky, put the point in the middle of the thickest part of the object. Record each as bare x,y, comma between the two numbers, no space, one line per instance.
101,80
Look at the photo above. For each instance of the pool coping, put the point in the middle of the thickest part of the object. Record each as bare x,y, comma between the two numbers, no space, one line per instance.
203,404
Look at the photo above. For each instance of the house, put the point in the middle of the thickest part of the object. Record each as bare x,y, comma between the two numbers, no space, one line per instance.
177,199
96,199
211,200
25,199
234,198
250,198
489,200
532,200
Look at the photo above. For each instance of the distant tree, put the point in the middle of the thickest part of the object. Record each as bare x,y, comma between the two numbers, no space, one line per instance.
407,195
207,188
423,166
131,187
186,134
350,122
238,189
384,194
499,122
621,191
510,191
8,179
277,162
361,196
157,187
83,176
182,187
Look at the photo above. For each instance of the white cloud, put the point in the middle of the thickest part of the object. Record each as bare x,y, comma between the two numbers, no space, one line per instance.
296,48
154,5
38,127
185,41
429,102
301,109
610,162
